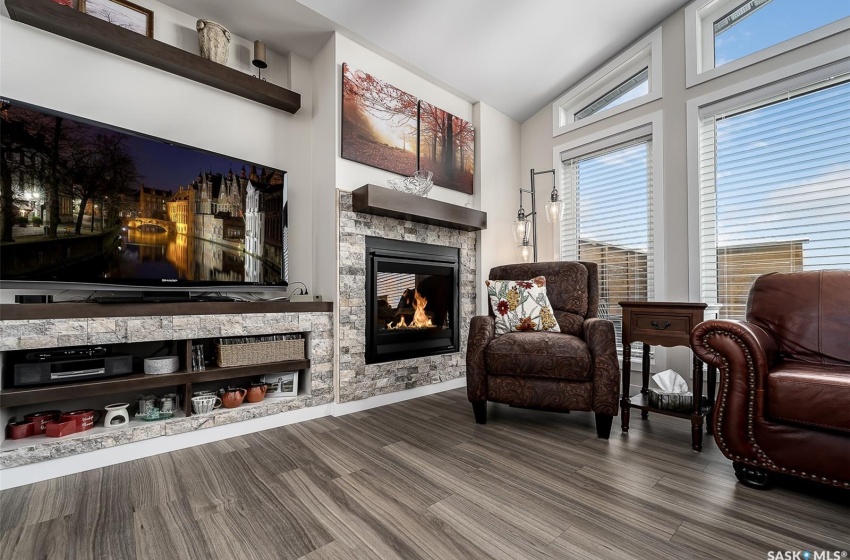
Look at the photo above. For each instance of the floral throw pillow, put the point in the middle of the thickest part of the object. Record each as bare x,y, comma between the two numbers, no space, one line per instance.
521,306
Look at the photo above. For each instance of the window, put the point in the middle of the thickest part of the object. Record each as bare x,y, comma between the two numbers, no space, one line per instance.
610,219
758,24
630,80
725,35
774,190
634,87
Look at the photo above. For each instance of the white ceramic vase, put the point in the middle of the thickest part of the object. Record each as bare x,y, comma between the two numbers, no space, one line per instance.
214,40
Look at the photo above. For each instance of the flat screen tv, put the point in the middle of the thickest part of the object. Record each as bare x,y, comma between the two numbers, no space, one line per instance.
88,203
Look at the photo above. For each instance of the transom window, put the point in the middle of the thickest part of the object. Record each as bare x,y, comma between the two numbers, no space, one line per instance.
631,79
723,36
758,24
636,86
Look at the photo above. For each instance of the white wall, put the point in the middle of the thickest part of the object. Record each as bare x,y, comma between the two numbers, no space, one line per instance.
351,175
497,155
538,145
498,191
44,69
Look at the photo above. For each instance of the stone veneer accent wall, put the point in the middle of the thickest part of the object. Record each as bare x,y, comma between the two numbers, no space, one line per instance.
52,333
356,379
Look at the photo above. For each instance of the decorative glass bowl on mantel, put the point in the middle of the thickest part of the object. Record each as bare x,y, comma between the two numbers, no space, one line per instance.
420,184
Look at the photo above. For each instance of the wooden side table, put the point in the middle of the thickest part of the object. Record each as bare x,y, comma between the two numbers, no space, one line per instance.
669,324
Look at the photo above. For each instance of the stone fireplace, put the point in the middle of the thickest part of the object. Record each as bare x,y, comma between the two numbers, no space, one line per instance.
411,300
403,357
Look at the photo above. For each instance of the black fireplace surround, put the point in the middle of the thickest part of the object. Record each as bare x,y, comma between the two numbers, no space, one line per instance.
412,300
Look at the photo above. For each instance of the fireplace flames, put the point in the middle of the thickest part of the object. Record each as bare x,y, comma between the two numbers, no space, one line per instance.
420,319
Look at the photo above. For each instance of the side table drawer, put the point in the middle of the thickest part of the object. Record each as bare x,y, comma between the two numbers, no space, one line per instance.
645,326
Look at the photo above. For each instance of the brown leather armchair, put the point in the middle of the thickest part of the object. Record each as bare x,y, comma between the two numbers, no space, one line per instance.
576,369
784,399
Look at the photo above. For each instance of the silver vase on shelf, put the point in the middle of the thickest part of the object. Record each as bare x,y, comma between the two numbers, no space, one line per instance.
213,40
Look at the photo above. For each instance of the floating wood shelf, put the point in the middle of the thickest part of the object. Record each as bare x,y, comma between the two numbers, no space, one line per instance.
77,26
138,382
380,201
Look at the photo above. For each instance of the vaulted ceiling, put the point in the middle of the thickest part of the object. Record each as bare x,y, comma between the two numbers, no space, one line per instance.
514,55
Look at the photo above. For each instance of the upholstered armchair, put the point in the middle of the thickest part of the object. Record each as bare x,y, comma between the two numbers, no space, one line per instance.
784,399
575,369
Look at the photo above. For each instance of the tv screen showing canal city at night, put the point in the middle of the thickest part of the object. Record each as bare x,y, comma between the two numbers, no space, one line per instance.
87,203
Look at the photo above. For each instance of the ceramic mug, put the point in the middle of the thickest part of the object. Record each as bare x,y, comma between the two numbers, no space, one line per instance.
41,419
169,402
84,419
146,402
203,404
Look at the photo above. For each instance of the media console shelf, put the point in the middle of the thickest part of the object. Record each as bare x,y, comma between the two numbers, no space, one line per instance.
20,396
140,329
77,26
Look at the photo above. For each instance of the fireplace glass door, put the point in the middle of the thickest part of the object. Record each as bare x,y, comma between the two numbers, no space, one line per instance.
412,298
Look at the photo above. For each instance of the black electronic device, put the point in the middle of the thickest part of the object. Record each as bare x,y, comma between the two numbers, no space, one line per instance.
145,297
28,298
73,369
68,353
169,216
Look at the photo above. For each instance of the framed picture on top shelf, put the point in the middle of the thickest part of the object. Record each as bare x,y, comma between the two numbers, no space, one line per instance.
121,13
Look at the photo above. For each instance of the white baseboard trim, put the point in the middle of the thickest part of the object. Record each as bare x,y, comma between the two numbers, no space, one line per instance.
55,468
341,409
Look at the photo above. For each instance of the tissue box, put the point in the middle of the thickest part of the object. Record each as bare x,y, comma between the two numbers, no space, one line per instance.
665,400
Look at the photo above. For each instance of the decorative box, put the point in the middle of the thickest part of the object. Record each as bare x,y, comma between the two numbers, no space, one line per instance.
161,364
680,402
61,429
20,430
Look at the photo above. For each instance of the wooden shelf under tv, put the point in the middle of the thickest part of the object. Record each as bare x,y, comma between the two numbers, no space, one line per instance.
77,26
76,310
20,396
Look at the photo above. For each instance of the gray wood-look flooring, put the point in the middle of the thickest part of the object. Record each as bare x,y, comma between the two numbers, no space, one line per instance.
419,479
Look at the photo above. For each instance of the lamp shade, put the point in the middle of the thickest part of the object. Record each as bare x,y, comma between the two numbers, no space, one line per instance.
525,252
554,210
521,227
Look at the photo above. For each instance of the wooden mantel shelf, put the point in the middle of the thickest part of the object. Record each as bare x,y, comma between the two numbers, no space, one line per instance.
380,201
77,26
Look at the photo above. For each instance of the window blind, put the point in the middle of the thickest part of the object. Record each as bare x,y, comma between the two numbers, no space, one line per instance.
774,191
608,221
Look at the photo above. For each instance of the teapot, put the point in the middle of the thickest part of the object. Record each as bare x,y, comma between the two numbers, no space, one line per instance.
256,392
231,397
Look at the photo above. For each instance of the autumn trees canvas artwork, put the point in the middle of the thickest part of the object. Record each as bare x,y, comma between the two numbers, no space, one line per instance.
446,148
379,123
387,128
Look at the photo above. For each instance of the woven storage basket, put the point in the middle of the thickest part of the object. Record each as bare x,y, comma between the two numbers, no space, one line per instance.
251,353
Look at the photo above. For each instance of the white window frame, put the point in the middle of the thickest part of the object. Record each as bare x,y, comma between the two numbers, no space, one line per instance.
644,53
699,41
610,137
816,68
